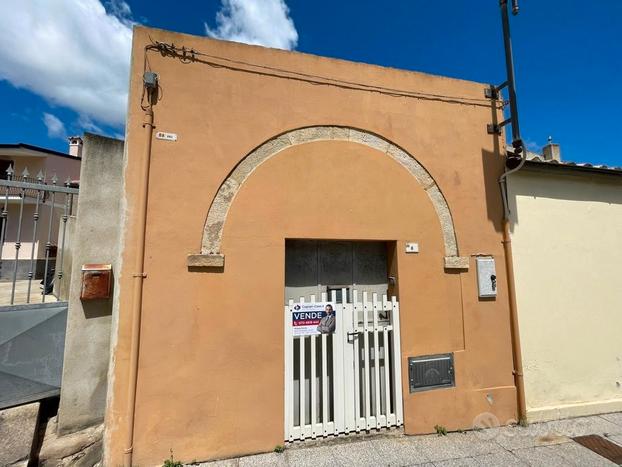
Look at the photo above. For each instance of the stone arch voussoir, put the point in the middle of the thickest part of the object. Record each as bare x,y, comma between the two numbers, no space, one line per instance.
211,255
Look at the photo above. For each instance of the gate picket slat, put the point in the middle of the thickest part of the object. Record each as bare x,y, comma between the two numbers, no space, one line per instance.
302,406
387,382
366,360
348,370
313,388
324,380
376,361
338,373
397,362
289,373
357,356
313,382
386,352
301,392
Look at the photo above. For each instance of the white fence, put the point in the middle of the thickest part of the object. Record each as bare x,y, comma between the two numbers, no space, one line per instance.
348,381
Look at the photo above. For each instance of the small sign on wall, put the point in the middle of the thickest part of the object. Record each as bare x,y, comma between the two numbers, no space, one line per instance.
166,136
310,319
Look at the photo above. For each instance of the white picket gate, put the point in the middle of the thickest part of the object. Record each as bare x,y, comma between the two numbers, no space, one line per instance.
348,381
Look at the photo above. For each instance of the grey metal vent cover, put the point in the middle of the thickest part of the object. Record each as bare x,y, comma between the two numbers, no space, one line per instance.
431,372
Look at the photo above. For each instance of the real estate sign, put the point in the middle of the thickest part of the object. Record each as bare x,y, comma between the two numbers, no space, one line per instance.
309,319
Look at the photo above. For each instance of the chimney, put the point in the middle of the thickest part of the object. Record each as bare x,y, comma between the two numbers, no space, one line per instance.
551,151
75,146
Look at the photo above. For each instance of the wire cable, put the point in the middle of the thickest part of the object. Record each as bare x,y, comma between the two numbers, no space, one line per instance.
186,55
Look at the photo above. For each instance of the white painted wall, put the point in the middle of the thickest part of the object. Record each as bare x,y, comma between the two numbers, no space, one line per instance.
567,248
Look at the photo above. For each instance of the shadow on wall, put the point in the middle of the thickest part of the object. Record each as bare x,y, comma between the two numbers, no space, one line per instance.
493,166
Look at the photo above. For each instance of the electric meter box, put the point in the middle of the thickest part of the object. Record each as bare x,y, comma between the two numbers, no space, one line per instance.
486,276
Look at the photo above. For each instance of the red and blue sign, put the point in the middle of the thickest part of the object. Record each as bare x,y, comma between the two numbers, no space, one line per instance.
306,318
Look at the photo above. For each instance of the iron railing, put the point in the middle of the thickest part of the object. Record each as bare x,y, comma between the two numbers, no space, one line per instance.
15,192
47,197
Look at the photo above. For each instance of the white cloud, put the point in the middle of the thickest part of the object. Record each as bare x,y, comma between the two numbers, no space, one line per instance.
71,52
259,22
55,127
87,124
120,9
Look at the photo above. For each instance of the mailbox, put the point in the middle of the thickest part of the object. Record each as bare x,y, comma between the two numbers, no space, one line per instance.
96,281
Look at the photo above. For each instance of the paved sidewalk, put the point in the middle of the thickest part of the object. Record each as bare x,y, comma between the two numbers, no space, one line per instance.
540,444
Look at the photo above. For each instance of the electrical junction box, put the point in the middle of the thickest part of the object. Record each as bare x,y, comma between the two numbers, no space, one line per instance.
412,247
96,281
486,276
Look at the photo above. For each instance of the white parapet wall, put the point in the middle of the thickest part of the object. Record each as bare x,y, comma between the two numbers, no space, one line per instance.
566,238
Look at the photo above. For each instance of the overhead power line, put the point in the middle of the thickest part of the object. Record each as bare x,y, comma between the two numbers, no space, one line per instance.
188,55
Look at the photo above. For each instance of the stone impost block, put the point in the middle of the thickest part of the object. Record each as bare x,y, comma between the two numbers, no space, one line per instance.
456,262
206,261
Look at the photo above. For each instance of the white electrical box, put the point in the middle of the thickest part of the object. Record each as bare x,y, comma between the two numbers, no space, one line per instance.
412,247
486,276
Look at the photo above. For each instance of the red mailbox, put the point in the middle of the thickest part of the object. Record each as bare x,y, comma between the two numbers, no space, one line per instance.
96,281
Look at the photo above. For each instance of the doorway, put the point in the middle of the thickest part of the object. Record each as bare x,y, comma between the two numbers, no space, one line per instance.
342,350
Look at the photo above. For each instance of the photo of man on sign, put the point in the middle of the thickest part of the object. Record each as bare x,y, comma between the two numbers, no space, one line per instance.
327,323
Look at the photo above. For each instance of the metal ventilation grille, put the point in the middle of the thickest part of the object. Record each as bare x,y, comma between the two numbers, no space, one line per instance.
431,372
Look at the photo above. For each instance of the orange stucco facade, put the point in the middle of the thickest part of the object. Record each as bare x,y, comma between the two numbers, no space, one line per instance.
211,364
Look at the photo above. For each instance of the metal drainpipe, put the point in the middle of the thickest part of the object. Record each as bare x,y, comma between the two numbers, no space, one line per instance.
509,269
139,276
517,143
516,347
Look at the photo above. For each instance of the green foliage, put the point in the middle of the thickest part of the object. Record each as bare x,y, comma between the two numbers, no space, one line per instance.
440,430
279,449
172,462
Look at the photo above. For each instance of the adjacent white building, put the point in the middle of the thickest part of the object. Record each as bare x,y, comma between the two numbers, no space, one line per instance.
567,247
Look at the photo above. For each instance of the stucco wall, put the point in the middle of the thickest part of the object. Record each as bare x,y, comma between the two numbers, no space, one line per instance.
211,366
566,243
95,239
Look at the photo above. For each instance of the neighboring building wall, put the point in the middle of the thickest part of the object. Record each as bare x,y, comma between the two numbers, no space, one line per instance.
64,168
95,239
211,373
566,233
7,264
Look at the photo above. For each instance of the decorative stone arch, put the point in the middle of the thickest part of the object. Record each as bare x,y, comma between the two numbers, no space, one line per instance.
211,256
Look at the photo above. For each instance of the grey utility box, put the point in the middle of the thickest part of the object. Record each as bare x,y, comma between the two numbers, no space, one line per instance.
486,276
431,372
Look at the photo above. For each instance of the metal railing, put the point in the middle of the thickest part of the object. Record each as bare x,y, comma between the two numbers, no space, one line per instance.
47,197
15,192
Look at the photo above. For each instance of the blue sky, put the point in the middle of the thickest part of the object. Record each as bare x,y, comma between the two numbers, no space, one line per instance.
568,57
